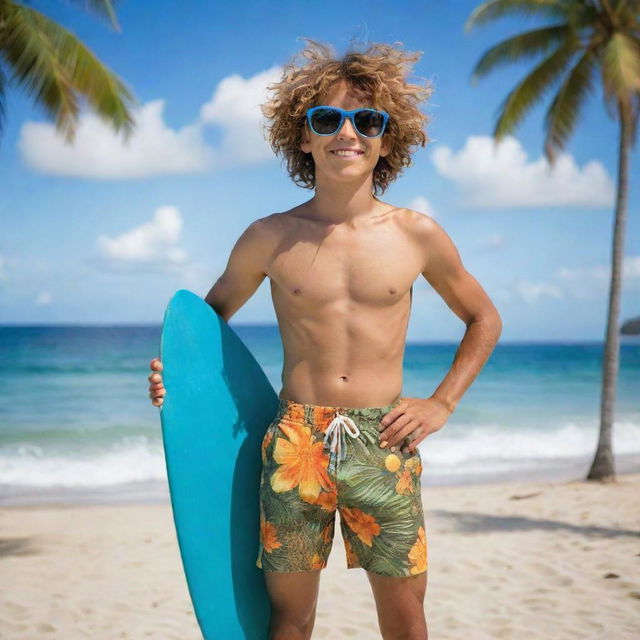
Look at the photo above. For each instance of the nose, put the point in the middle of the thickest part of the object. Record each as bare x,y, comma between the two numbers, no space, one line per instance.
347,130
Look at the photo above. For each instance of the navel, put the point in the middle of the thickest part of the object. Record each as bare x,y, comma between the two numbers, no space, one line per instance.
296,291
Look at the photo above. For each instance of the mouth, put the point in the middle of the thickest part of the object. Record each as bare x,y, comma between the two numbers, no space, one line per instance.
347,154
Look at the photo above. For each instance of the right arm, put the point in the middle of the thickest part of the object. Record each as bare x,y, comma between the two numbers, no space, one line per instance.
245,270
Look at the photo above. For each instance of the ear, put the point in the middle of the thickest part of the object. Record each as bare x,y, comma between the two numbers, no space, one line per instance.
305,145
385,146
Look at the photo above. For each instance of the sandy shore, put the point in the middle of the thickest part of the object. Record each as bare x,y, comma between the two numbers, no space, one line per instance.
512,560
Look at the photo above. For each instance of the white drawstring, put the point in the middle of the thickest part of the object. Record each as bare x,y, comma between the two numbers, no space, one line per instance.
337,434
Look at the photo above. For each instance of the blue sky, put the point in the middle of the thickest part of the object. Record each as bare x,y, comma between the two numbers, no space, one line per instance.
103,234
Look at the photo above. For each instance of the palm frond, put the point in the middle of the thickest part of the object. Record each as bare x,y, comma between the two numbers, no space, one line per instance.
494,9
562,116
621,65
530,90
29,53
51,64
103,8
523,45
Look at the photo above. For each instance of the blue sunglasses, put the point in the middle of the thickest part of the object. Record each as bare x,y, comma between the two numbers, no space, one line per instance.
327,121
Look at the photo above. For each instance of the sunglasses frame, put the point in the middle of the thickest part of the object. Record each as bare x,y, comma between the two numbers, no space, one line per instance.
347,114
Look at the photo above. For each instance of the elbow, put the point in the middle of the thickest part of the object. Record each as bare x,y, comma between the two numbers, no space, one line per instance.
225,314
490,319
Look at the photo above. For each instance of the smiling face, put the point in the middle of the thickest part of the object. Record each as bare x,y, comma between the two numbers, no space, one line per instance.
323,148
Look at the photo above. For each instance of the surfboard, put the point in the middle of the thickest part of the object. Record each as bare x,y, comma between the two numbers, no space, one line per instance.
216,410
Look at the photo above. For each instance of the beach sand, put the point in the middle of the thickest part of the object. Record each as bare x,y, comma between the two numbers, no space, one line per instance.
561,561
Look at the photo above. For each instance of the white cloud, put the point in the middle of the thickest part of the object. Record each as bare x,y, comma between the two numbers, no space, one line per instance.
154,148
153,245
580,282
504,176
532,291
235,108
421,204
631,267
583,282
98,152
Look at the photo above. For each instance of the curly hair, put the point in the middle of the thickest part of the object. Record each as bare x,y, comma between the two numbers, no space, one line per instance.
377,74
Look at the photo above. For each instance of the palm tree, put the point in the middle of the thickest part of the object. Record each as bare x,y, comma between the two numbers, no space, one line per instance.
54,66
585,36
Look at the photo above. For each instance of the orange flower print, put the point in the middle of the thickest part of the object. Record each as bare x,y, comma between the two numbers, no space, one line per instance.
322,416
265,443
327,531
414,464
294,412
327,500
418,553
405,482
316,562
303,463
352,558
362,524
268,536
411,464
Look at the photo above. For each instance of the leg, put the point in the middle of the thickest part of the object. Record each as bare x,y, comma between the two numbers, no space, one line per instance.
382,522
400,606
294,597
297,520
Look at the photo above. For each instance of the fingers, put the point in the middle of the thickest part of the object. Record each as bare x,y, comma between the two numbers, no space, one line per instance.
412,441
392,415
156,388
399,436
156,365
157,396
389,431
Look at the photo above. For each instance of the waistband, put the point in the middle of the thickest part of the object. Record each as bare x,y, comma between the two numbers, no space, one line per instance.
319,414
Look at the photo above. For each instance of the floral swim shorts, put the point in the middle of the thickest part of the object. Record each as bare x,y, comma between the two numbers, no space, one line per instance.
317,459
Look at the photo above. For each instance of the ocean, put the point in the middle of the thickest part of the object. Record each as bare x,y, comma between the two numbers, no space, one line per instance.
77,424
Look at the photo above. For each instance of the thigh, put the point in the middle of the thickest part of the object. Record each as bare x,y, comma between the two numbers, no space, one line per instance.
293,595
381,512
297,500
399,603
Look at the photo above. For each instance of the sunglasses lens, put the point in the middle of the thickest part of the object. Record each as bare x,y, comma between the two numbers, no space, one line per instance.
369,123
325,121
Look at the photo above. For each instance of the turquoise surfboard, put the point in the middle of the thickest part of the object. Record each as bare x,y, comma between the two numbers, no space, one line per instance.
217,407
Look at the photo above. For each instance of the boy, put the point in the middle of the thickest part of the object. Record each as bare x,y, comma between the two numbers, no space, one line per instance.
341,268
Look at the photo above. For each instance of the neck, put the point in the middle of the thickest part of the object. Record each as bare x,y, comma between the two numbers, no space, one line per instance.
336,202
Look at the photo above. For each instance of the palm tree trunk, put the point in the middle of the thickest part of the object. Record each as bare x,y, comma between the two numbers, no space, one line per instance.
602,466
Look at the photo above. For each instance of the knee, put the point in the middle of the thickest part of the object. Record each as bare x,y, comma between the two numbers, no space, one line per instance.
416,632
287,627
410,635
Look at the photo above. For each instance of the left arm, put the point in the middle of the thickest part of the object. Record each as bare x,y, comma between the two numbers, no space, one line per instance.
467,299
443,269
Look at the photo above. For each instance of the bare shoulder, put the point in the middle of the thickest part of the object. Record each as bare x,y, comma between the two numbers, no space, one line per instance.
274,224
435,244
264,232
417,224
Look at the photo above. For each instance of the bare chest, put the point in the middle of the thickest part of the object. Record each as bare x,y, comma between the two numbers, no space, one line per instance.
371,268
